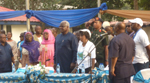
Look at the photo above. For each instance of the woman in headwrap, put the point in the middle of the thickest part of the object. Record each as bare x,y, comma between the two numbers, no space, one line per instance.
30,52
47,49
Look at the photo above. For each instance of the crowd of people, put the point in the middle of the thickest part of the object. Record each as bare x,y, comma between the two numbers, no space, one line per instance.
126,49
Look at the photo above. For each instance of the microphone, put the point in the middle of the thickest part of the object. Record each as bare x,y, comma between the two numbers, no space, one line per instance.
104,34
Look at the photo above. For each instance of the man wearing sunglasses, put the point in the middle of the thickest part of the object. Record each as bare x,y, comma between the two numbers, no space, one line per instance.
129,30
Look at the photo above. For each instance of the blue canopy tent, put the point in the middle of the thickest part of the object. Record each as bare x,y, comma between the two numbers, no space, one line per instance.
54,17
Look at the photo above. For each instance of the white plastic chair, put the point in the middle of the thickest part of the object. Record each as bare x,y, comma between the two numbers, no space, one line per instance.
145,73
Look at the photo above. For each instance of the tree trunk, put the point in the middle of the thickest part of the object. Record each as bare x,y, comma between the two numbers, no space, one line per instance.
136,5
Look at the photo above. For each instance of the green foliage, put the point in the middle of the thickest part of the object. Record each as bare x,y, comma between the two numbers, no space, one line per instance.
144,4
79,4
130,3
112,4
34,4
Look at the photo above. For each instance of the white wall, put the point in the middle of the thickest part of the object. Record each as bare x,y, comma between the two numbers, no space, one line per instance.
4,27
16,30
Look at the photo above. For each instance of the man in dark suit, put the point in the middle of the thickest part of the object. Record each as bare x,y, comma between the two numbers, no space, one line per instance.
121,54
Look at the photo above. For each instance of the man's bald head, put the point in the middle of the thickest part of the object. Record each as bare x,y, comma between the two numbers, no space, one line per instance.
38,29
120,25
109,29
120,28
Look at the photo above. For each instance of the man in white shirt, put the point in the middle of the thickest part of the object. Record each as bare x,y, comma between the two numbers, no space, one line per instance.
142,45
38,35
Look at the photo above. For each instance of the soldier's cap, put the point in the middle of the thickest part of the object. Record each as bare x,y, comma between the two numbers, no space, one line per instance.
99,19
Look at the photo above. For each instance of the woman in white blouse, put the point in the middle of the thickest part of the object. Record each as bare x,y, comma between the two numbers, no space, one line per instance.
84,48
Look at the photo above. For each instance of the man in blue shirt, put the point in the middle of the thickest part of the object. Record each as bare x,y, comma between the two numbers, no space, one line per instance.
65,49
6,56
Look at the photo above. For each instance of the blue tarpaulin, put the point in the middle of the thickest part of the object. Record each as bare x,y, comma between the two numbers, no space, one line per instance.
53,18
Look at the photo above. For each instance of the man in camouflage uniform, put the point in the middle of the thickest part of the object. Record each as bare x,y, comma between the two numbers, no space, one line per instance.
102,48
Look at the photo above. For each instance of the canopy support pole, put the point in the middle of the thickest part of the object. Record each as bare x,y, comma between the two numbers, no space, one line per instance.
28,20
98,5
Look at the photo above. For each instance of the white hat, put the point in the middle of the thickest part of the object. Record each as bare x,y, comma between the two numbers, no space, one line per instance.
137,20
86,30
105,24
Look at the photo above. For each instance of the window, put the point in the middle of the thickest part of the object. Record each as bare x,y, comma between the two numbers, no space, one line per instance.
8,28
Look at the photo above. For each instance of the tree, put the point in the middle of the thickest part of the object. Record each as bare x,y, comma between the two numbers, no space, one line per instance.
80,4
140,4
144,4
112,4
136,5
34,4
